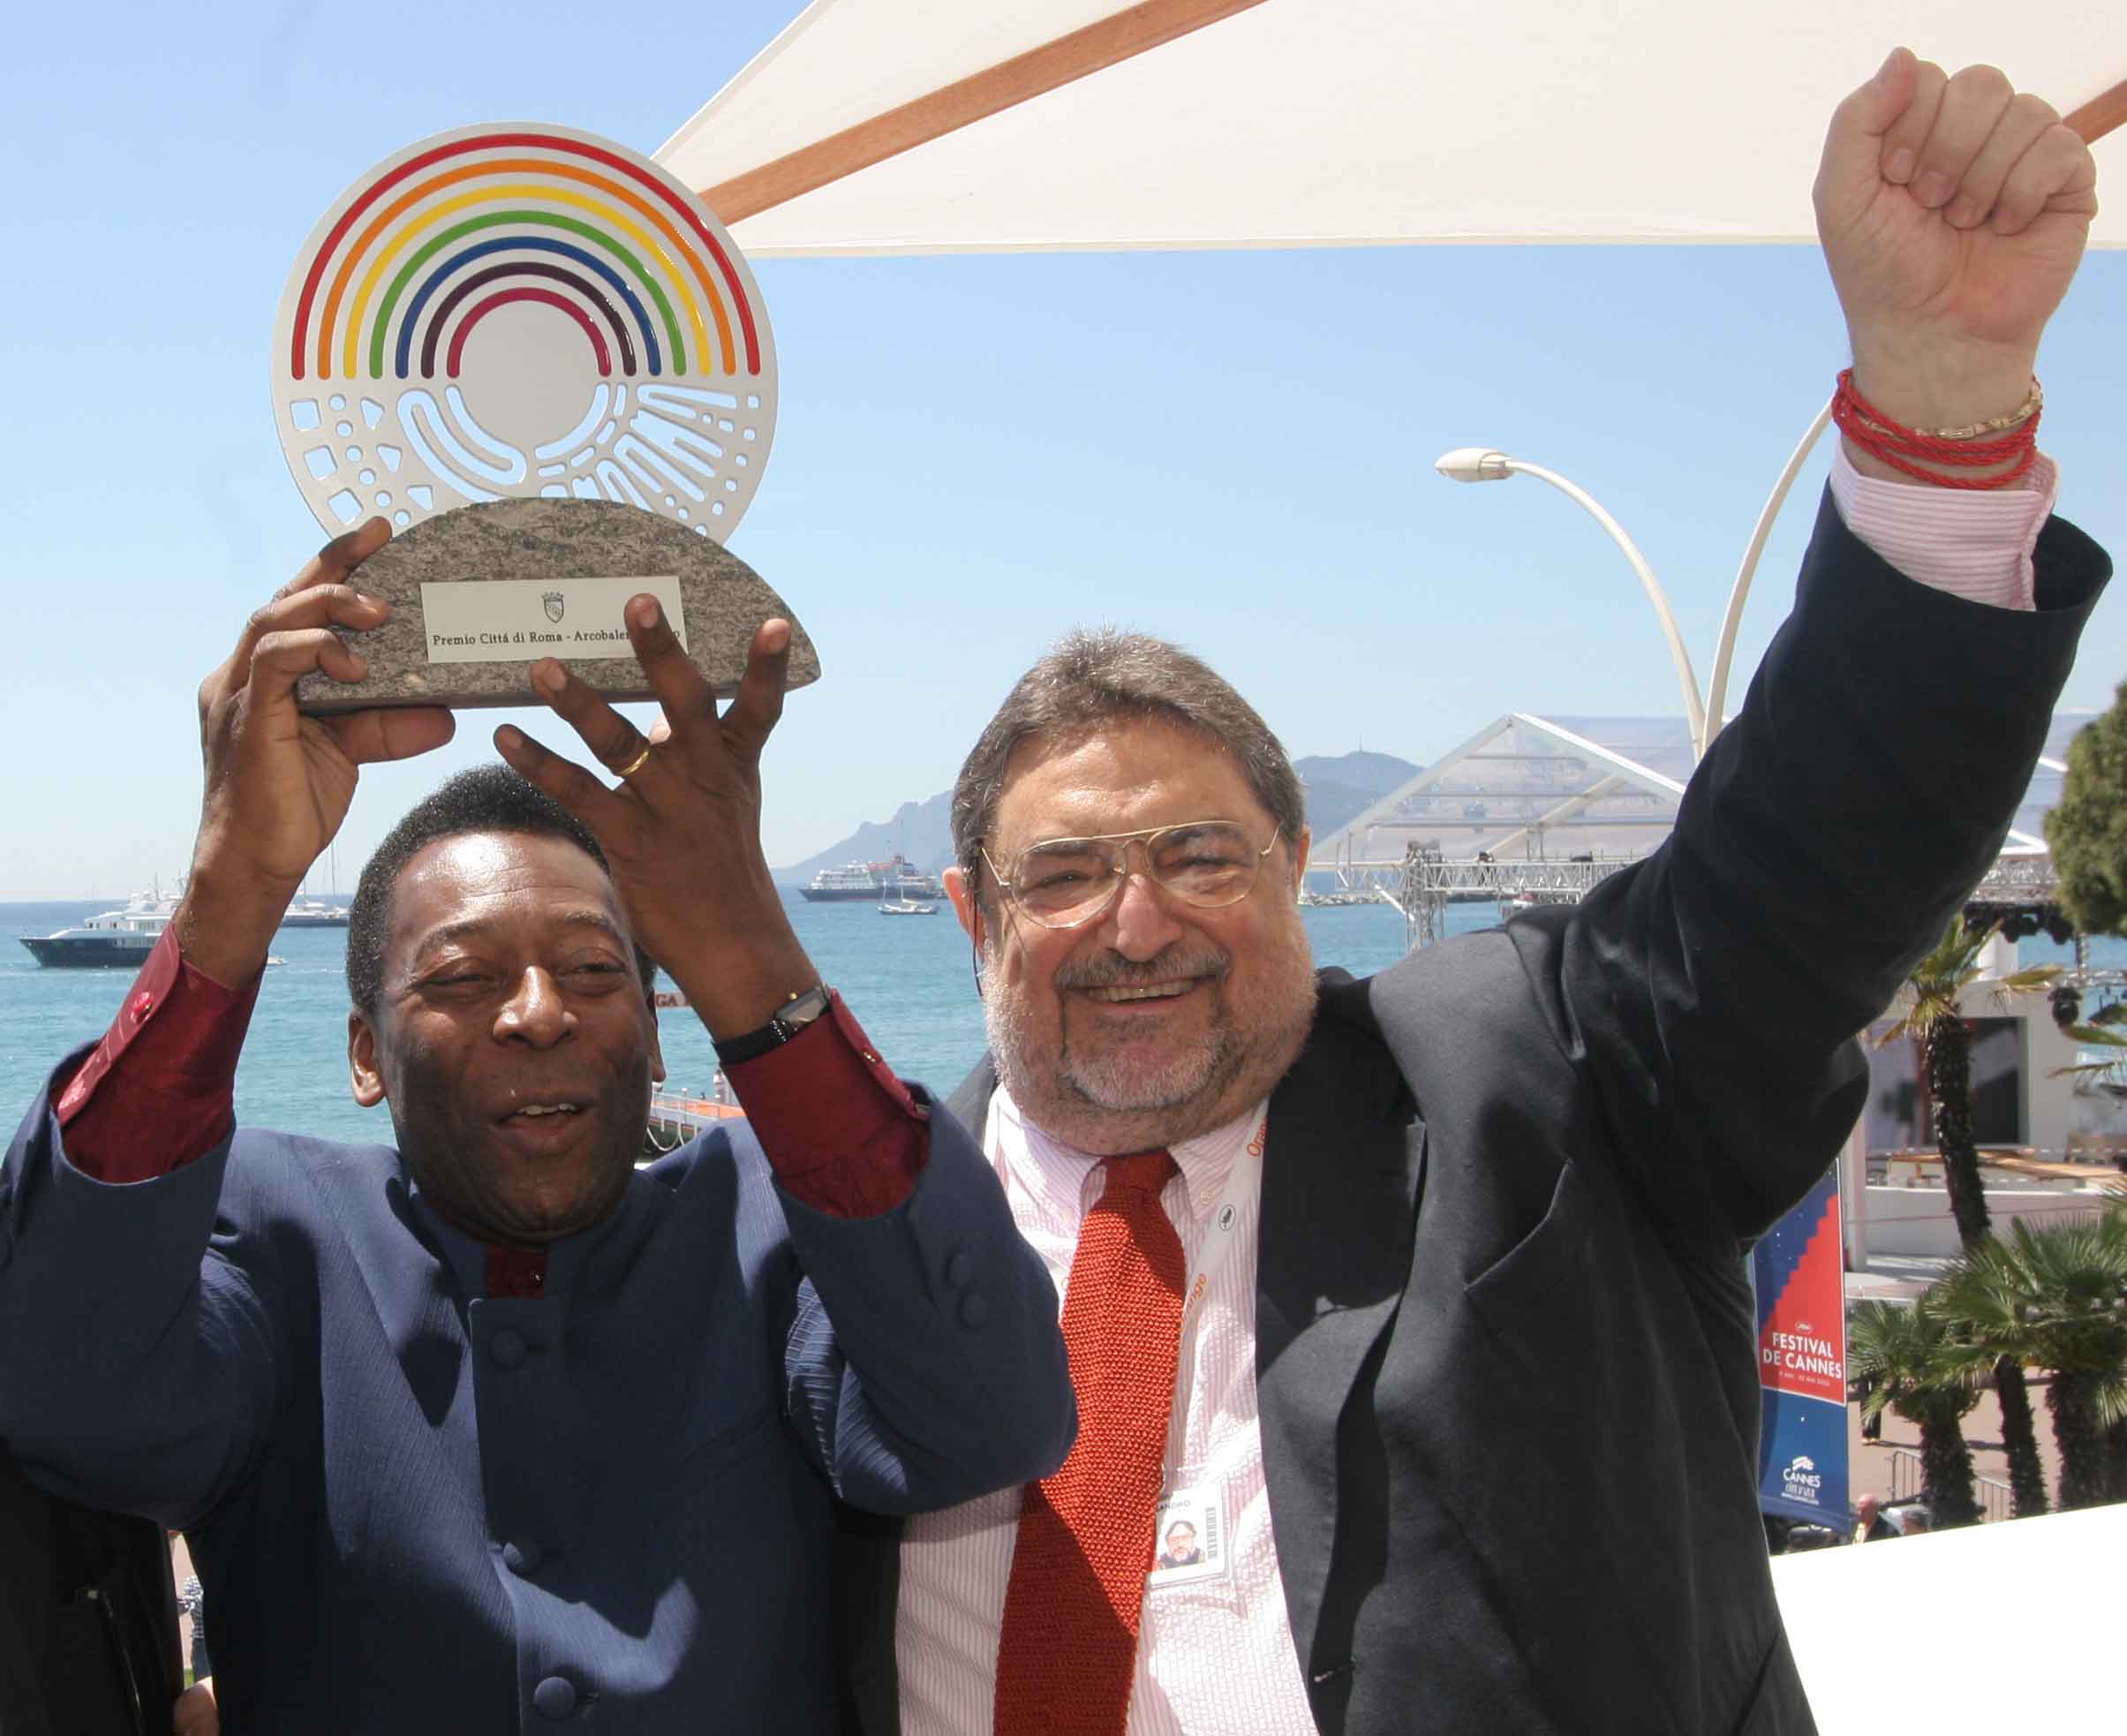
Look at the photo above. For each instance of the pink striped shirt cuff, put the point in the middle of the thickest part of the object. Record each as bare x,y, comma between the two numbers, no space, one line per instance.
1973,543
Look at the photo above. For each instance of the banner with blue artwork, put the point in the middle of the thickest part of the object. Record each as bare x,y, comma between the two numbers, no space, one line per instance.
1802,1362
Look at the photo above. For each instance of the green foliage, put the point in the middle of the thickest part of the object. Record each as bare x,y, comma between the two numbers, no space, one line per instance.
2087,831
2111,1044
2054,1297
1930,1014
1902,1355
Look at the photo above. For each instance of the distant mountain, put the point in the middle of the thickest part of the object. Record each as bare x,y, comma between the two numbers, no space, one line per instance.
922,831
1376,773
1338,788
1343,788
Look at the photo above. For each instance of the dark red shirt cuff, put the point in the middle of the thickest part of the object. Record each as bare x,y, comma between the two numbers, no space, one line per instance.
160,1090
842,1133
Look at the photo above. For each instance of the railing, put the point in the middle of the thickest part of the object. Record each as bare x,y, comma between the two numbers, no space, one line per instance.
676,1117
1429,882
1997,1500
1423,882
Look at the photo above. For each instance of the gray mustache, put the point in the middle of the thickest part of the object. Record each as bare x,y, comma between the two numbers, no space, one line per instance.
1115,972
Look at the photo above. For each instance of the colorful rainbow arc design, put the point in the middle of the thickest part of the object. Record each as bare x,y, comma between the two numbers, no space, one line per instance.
622,243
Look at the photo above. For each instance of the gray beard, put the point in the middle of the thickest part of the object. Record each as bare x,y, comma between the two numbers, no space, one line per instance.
1113,1102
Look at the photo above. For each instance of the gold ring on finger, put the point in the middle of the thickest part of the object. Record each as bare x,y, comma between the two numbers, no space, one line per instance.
635,763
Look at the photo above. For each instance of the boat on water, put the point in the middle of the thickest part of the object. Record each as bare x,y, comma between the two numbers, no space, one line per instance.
906,907
1534,898
863,882
115,938
314,913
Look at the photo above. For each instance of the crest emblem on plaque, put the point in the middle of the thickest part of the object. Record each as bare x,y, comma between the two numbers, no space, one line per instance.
554,603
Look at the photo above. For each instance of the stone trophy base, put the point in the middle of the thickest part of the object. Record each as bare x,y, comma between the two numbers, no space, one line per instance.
480,591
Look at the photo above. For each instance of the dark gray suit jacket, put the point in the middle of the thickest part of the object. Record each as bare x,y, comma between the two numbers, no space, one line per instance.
1504,1344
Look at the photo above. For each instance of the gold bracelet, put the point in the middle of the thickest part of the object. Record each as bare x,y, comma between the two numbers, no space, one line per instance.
2033,404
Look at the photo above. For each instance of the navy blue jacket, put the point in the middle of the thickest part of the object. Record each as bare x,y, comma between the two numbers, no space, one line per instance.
415,1509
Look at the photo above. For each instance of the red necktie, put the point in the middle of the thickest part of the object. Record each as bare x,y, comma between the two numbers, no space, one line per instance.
1069,1647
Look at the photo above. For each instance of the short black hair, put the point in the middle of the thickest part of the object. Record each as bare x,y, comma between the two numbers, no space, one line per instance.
488,798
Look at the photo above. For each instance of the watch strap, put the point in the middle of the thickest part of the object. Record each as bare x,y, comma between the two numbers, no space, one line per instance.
795,1013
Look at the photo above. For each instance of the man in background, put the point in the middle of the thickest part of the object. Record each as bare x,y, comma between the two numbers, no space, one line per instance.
1870,1526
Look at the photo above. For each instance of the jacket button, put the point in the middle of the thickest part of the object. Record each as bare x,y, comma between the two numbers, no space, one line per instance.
960,1269
974,1309
506,1350
554,1698
522,1558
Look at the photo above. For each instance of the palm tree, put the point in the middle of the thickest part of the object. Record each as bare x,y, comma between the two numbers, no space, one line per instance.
2055,1297
1929,1013
1900,1352
2102,1034
1931,1017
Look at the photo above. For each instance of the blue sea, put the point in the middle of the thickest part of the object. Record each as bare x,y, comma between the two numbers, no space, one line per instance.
908,979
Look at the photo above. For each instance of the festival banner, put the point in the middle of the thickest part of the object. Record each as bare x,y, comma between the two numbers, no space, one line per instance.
1802,1362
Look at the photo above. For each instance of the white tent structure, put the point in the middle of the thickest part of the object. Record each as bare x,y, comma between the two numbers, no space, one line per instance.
1534,787
916,126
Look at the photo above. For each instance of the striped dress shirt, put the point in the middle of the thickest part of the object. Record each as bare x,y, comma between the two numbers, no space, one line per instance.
1214,1655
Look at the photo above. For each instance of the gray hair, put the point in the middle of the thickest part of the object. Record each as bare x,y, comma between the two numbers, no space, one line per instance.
1093,676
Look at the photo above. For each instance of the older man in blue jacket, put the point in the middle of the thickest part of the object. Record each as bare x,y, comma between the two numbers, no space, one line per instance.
493,1430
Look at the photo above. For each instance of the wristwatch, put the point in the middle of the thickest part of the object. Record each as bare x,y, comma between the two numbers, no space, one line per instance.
799,1012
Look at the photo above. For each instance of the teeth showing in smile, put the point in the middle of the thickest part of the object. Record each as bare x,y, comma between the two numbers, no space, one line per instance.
1150,992
547,1109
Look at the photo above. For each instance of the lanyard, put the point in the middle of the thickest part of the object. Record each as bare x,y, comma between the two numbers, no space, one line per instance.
1243,1179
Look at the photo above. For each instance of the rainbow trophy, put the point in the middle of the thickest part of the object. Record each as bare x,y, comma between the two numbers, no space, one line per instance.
544,361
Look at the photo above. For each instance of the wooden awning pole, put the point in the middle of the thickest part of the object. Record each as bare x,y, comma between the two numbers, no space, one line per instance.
1104,43
2099,115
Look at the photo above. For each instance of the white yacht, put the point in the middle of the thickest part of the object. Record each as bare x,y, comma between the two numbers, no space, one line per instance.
115,938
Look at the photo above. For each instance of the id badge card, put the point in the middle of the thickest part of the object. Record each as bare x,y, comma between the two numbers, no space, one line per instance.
1190,1541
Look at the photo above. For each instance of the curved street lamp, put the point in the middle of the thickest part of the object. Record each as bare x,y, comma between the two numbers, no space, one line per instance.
1479,464
1716,691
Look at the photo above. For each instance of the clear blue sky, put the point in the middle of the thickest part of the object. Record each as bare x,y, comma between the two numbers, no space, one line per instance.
1231,449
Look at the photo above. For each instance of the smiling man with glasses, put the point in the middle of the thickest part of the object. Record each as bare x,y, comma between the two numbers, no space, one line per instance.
1160,981
1419,1300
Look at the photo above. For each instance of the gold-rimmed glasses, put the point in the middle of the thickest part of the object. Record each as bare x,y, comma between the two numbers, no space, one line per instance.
1065,882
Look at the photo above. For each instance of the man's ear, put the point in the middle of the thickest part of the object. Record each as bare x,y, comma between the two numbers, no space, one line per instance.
965,904
364,1077
1300,846
656,1049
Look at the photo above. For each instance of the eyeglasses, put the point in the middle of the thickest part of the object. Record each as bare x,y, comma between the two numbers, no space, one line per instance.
1063,882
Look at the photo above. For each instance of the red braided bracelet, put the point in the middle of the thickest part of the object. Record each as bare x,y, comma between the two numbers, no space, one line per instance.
1898,445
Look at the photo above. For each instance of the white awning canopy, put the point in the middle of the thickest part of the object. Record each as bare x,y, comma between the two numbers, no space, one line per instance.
966,126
